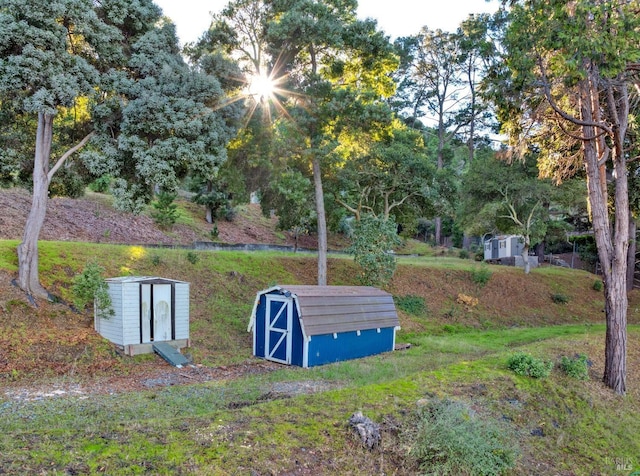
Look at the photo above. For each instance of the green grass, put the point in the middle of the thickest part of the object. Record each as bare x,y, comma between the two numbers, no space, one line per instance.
242,425
270,424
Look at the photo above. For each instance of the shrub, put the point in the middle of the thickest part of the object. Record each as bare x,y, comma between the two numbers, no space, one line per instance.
597,285
67,183
101,184
192,257
463,254
560,298
155,260
89,286
372,249
481,275
578,367
411,304
453,439
527,365
166,213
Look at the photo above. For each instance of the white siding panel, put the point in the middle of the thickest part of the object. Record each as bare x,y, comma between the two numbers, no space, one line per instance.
131,313
111,328
182,310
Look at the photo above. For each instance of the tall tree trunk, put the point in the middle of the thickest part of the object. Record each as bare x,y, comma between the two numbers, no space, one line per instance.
209,213
440,165
322,222
631,253
612,249
28,272
525,255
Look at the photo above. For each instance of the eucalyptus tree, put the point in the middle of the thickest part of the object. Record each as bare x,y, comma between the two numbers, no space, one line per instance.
150,119
479,51
437,88
322,71
566,90
231,48
51,53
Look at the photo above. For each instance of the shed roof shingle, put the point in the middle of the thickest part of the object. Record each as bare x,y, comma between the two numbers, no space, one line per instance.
335,309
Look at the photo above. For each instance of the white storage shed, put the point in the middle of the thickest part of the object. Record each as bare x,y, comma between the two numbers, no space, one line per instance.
146,310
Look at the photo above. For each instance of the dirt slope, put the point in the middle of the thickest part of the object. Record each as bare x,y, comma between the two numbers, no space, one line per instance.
93,219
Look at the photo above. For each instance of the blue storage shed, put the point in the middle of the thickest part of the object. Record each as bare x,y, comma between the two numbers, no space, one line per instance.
315,325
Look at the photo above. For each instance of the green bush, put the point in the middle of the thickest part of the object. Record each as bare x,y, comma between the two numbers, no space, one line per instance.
560,298
155,260
463,254
527,365
101,184
577,367
411,304
597,285
89,286
372,248
454,439
67,182
166,213
192,257
481,275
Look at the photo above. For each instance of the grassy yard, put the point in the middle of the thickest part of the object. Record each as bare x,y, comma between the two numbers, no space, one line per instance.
295,421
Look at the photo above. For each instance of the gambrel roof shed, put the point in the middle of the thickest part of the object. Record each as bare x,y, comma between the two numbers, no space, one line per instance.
313,325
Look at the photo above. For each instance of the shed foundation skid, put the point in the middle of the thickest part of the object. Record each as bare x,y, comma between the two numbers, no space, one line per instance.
137,349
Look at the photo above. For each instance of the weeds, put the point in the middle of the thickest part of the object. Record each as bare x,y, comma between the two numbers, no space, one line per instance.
192,257
414,305
454,439
560,298
527,365
577,367
481,275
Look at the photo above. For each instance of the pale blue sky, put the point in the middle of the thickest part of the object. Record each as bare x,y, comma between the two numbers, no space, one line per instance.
395,17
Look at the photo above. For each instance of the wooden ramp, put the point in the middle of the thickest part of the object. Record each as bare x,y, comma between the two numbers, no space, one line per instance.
170,354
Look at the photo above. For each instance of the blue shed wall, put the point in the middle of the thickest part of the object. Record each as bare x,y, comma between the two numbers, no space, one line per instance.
297,347
325,349
260,325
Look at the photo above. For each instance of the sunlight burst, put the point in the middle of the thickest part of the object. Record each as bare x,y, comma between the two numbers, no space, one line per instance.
261,87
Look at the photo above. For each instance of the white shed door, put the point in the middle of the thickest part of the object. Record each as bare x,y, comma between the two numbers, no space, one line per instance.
161,312
145,310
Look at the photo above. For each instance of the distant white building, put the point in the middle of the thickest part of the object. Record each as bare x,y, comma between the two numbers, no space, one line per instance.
503,246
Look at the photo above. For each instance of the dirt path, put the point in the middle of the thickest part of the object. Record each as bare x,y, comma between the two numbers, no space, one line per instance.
157,376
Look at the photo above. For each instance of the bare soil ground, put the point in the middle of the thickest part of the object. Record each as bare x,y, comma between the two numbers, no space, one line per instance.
92,219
